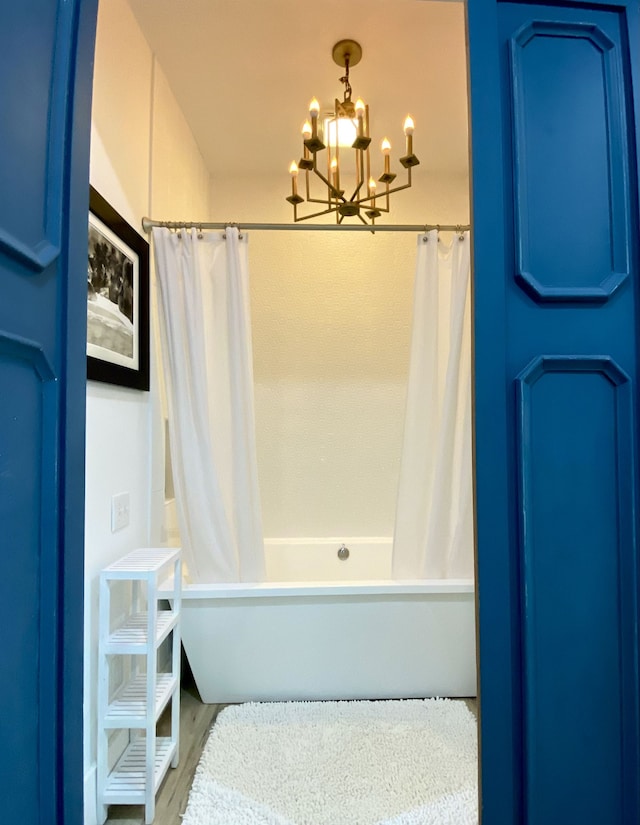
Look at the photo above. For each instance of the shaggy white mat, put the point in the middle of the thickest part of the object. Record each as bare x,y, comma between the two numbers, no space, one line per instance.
408,762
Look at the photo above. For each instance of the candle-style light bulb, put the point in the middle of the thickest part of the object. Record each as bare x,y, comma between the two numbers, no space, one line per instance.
314,108
293,171
360,116
306,134
335,173
408,130
372,192
385,146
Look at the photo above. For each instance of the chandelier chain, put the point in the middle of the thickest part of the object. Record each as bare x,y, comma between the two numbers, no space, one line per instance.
345,80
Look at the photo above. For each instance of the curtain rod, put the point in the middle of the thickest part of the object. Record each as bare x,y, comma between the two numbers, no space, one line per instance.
149,223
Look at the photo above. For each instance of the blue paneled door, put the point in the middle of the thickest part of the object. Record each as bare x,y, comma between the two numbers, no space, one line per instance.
555,233
46,55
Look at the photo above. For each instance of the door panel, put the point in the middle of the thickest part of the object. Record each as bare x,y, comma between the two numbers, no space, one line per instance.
555,186
34,45
561,149
575,421
27,419
43,219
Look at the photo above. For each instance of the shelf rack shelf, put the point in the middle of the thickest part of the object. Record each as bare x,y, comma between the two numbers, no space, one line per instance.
137,705
127,782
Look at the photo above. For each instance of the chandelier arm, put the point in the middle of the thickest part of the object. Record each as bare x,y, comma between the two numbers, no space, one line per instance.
397,189
336,192
360,176
366,200
320,200
314,215
355,192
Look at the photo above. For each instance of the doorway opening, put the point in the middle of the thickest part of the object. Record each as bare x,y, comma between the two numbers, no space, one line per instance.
210,132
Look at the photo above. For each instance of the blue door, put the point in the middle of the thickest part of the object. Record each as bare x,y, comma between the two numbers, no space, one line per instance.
46,55
554,102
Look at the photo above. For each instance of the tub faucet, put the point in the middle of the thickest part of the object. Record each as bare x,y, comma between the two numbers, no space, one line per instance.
343,552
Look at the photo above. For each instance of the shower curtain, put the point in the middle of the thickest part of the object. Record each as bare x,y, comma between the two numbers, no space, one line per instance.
433,535
206,336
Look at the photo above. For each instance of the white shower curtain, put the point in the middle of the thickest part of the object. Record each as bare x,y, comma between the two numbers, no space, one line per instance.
433,535
205,321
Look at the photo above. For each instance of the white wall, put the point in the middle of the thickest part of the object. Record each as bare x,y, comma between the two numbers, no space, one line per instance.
144,161
331,321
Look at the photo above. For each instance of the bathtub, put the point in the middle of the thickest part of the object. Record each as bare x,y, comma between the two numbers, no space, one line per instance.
346,632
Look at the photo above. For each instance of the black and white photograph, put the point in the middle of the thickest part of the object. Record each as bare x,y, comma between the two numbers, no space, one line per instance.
117,299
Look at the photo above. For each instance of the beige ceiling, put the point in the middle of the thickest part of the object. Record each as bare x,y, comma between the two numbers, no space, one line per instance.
243,72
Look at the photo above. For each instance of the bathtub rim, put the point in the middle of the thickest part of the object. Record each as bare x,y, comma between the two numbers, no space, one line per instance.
378,587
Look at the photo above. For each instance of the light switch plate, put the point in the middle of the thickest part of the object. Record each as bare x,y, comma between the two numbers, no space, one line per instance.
120,505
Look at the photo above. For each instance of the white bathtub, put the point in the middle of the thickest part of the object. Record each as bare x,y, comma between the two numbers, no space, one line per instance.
330,637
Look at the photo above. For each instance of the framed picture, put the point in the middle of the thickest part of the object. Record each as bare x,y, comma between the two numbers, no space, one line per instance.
117,299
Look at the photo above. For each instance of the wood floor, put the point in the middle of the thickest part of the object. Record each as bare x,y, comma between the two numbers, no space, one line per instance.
196,720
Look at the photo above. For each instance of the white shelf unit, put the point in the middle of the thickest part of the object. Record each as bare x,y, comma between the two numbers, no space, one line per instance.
137,705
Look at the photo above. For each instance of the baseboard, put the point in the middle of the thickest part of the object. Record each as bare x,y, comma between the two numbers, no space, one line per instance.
90,814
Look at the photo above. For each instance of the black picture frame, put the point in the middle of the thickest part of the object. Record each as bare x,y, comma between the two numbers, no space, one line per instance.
117,299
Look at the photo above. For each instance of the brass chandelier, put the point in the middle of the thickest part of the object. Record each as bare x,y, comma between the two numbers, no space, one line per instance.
347,128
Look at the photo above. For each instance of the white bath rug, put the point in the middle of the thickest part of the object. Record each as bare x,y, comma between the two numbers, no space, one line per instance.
408,762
